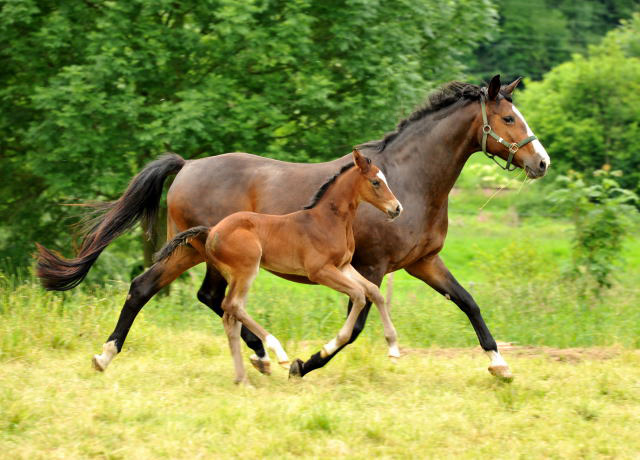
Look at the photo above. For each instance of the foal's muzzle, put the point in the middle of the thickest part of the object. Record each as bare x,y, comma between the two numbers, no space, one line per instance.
394,212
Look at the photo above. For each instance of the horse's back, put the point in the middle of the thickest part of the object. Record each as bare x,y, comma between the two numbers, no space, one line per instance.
208,189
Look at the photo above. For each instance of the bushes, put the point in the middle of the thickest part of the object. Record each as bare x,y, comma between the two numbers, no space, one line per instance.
602,213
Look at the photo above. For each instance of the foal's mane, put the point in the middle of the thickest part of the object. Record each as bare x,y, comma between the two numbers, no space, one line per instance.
447,95
324,187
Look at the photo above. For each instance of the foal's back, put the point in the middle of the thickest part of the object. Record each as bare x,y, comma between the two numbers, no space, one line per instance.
292,243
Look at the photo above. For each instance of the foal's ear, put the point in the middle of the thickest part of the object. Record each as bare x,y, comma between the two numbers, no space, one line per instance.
361,161
511,86
494,88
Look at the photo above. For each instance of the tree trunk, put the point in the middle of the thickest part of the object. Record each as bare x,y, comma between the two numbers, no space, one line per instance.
152,244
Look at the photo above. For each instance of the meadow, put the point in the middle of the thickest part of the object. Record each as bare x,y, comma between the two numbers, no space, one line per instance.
170,393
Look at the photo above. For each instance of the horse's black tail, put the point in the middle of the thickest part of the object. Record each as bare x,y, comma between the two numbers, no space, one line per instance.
180,239
139,201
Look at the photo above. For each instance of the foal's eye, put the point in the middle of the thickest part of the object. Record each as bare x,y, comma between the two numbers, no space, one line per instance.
509,120
375,183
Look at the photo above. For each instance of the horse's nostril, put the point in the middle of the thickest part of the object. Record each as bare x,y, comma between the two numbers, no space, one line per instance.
543,165
398,209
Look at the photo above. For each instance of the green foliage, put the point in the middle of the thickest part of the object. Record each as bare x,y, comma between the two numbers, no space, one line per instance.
602,214
587,113
90,91
536,35
626,38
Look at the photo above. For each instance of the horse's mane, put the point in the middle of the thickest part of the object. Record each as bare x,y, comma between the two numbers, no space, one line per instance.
445,96
324,187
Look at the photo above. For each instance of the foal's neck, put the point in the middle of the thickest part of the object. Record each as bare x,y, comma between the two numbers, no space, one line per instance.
341,199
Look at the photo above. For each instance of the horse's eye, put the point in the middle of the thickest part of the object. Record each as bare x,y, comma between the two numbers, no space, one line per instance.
375,183
509,120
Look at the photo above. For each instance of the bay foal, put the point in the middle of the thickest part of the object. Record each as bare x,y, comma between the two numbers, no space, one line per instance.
316,242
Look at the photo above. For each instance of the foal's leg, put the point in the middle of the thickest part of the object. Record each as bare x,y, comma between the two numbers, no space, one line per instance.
232,328
432,271
316,361
233,306
373,293
238,291
142,289
332,277
211,294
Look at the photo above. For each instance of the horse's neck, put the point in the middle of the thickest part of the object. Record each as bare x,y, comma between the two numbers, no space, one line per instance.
430,155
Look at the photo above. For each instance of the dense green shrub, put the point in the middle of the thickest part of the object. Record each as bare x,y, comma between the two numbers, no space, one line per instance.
602,214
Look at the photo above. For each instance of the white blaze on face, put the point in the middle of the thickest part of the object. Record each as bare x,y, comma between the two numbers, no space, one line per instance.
537,145
381,176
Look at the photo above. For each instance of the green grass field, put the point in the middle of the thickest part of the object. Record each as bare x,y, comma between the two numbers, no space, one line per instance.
170,393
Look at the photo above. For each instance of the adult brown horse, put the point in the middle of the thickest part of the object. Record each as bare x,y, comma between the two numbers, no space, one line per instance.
316,242
422,159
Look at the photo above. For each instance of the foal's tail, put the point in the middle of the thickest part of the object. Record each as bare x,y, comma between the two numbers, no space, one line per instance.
139,202
181,239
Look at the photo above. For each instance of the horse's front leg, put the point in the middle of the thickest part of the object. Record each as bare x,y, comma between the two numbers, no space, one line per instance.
432,271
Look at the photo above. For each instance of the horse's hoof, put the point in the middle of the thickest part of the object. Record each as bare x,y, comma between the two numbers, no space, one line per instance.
502,372
285,364
295,370
393,359
96,363
262,365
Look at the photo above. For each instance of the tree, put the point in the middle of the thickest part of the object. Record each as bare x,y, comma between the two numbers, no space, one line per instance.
537,35
587,111
92,90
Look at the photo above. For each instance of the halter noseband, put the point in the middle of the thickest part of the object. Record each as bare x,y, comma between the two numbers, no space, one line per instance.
513,147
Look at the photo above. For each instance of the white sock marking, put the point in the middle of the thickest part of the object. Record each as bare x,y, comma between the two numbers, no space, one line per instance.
394,352
496,358
109,351
331,347
274,345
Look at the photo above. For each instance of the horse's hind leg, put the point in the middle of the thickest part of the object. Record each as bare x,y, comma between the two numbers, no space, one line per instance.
211,294
142,289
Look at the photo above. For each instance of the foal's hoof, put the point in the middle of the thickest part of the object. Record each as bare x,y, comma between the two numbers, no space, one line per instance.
262,365
97,365
295,370
502,372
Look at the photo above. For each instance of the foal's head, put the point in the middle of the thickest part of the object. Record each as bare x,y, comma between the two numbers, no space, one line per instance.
518,145
373,187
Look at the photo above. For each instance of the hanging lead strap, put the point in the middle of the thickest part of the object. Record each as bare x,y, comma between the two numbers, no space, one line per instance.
513,147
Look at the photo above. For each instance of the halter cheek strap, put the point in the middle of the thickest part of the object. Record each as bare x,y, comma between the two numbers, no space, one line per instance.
513,147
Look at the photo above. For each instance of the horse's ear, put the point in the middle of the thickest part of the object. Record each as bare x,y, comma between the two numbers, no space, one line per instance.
361,161
511,86
494,88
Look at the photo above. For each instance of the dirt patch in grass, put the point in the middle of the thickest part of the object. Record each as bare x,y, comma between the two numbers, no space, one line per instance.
570,355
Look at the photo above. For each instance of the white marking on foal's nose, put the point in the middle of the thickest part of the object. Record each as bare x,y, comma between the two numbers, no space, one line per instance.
537,145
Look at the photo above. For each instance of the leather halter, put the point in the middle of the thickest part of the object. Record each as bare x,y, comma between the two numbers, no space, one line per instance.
513,147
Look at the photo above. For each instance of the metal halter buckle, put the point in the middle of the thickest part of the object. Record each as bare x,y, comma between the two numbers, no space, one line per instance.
513,148
486,129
